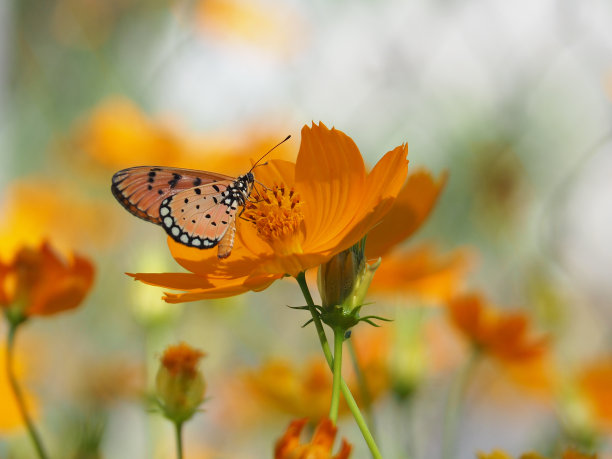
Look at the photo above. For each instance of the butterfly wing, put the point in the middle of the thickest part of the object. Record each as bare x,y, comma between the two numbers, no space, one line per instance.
141,190
198,219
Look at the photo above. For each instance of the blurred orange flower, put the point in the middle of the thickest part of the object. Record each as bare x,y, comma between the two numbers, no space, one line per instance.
38,282
567,454
413,205
289,446
11,416
312,210
118,134
594,383
422,272
505,337
32,214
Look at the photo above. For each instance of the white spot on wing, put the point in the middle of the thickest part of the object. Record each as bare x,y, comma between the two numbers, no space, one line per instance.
184,238
196,242
168,221
164,211
175,230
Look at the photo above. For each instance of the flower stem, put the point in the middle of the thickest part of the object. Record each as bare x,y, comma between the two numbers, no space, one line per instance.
350,401
453,405
366,396
19,395
178,428
335,400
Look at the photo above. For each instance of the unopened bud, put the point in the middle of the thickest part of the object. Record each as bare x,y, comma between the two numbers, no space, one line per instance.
179,382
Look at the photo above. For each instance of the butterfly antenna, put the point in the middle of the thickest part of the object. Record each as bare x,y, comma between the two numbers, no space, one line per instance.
268,152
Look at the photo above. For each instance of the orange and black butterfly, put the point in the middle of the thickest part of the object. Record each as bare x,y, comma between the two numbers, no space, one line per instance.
196,208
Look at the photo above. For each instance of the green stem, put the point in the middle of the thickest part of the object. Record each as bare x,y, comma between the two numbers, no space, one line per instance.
350,401
19,395
453,405
335,400
179,439
363,385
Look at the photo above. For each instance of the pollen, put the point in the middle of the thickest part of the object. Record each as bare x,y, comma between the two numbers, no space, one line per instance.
277,215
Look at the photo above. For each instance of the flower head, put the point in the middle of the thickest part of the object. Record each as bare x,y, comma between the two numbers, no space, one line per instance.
179,383
38,282
289,446
505,336
310,211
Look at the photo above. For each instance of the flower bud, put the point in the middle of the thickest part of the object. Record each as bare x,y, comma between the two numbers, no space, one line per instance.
180,384
337,277
343,283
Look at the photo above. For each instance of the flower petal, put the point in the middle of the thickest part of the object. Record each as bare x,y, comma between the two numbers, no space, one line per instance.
412,206
330,178
382,186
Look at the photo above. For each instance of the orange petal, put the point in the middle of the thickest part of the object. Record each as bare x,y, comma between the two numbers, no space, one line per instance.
325,434
175,281
422,272
382,186
61,286
412,206
224,288
330,178
276,171
290,440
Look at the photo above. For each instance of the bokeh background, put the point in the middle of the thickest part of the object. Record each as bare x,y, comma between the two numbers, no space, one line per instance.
513,99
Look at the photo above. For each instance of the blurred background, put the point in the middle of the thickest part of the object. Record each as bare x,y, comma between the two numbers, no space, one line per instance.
513,99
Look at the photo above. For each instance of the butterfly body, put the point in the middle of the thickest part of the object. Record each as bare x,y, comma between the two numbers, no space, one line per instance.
196,208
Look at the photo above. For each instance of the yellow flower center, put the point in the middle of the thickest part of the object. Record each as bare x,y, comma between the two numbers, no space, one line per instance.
278,218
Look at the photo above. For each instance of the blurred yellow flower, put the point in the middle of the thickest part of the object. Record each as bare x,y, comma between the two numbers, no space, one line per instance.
10,418
38,282
32,214
280,385
117,134
313,209
290,447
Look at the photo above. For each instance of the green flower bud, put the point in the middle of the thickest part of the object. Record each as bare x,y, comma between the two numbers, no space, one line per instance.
343,284
179,383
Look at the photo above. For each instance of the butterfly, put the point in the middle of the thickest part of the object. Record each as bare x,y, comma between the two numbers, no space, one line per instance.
196,208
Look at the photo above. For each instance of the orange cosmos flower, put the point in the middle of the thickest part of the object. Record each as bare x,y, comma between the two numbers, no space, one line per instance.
38,282
567,454
505,337
422,272
413,205
311,210
594,384
289,446
31,216
118,134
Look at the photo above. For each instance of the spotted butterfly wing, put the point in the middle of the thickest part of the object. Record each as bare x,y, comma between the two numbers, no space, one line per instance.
196,208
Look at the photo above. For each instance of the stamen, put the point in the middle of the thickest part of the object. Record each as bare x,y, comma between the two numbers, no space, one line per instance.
277,217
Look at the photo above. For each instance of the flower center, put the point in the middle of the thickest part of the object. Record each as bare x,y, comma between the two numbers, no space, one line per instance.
278,218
